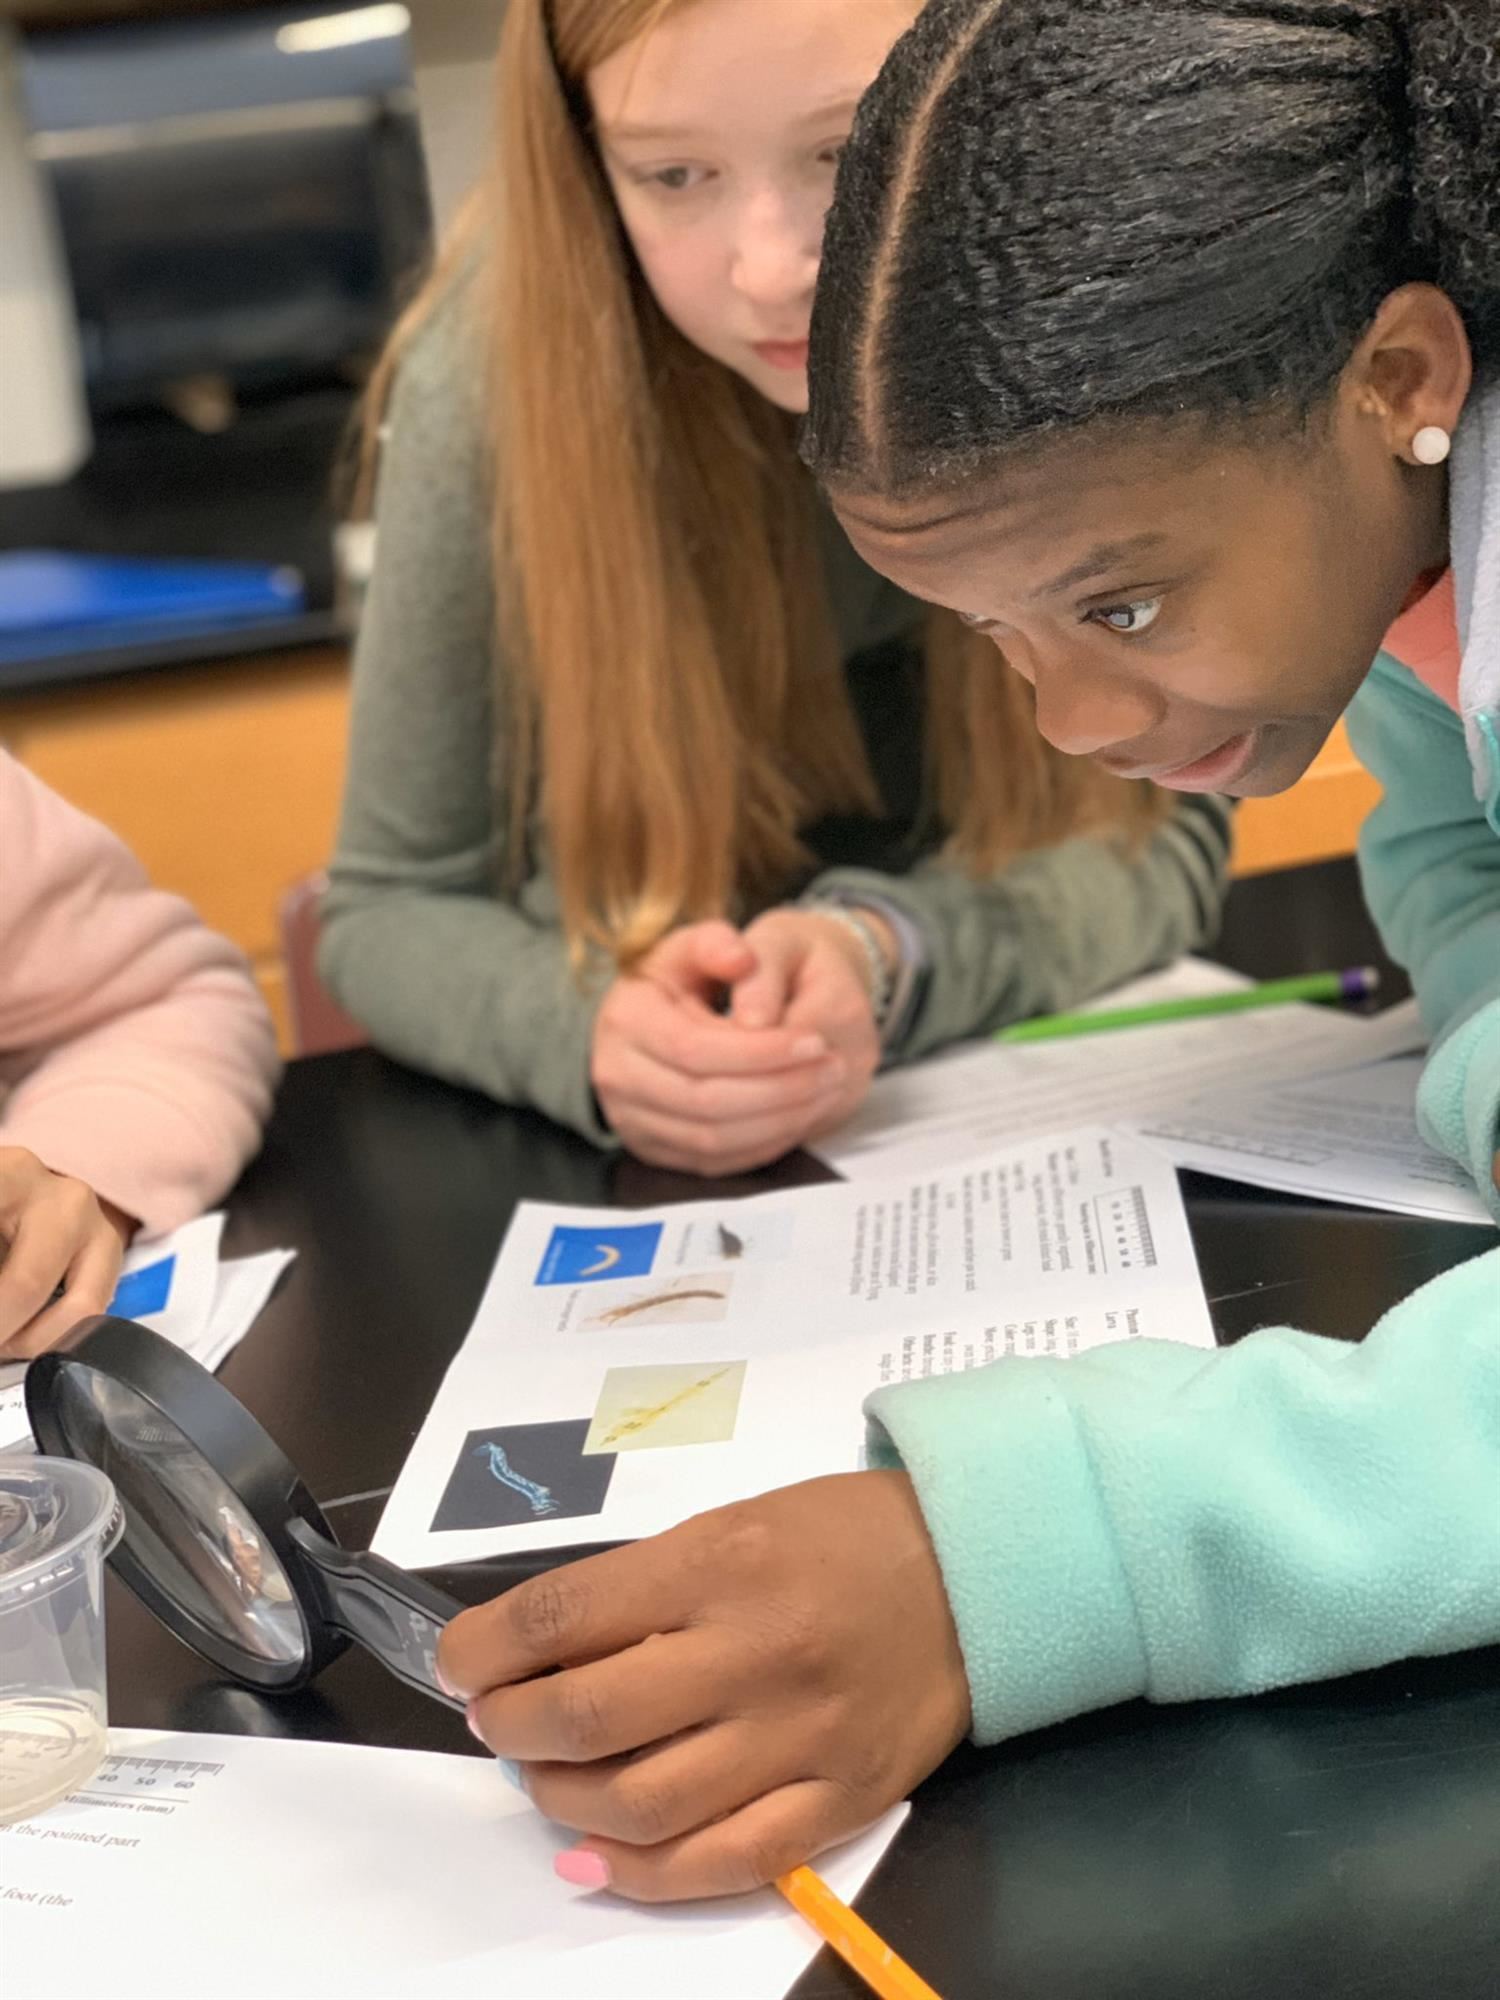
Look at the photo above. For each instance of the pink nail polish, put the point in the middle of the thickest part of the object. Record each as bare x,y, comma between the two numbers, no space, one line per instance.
583,1868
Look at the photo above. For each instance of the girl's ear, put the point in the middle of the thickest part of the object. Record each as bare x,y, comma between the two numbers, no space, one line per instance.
1412,371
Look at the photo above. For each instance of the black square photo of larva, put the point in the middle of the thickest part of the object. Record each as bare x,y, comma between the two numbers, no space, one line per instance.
515,1475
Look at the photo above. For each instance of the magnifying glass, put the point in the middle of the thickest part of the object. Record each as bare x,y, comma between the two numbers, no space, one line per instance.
223,1541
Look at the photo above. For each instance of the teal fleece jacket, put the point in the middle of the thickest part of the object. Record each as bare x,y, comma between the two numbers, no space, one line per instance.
1147,1519
1430,852
1150,1520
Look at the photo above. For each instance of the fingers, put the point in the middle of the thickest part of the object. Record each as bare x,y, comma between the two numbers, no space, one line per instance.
814,977
89,1288
721,1048
829,1003
829,998
686,1089
640,1079
767,1838
666,1792
759,998
699,959
36,1262
61,1238
580,1612
701,1044
607,1708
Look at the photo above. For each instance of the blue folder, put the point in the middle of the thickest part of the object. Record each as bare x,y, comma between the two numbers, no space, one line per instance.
54,605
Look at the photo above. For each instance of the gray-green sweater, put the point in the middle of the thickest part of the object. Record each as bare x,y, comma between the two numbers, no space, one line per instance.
452,974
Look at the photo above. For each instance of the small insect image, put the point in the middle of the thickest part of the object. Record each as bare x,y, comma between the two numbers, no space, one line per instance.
743,1234
690,1299
539,1498
659,1405
523,1473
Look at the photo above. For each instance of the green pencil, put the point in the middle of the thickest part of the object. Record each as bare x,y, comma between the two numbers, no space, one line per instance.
1357,984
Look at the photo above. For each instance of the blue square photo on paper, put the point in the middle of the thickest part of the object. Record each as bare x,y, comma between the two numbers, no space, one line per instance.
578,1256
144,1291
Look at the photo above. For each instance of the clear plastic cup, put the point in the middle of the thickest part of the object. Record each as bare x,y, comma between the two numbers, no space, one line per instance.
58,1521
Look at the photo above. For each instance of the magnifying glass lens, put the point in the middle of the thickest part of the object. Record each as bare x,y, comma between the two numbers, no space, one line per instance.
183,1524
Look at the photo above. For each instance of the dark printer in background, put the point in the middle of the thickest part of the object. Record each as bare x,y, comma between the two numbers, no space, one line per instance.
242,207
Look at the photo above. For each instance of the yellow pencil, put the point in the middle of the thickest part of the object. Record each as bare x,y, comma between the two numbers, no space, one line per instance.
851,1937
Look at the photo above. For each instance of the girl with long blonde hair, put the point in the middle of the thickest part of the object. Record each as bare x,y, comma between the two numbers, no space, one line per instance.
666,815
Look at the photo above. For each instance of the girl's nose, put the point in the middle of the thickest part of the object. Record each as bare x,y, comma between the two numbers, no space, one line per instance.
1082,711
775,260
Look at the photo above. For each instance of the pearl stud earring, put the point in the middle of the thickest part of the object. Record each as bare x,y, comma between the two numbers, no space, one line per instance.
1431,445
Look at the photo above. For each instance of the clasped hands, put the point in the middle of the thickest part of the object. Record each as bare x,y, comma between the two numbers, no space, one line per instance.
726,1048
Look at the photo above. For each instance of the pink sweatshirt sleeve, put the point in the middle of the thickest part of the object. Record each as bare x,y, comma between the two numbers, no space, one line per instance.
135,1052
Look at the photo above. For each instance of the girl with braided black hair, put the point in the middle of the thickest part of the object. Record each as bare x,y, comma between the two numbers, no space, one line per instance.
1145,331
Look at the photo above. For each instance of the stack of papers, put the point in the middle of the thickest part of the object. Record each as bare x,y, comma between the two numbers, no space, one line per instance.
177,1286
627,1370
238,1867
1348,1136
1249,1096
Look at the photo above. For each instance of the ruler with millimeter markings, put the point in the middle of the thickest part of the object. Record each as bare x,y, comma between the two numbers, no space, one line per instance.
1124,1226
168,1779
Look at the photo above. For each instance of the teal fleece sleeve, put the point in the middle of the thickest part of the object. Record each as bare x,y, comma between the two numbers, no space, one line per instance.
1430,859
1147,1519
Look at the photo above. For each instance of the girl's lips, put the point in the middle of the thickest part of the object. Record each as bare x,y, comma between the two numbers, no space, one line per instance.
787,354
1213,773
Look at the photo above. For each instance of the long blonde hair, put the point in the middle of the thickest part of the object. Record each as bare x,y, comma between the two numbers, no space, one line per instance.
674,699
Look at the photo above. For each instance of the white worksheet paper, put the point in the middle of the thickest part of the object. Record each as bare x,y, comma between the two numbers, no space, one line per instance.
1185,1084
250,1868
1351,1137
628,1369
179,1287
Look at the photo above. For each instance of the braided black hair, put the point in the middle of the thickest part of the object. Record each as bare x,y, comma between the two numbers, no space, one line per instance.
1053,212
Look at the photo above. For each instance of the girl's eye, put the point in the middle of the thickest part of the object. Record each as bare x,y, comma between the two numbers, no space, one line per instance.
1130,619
675,180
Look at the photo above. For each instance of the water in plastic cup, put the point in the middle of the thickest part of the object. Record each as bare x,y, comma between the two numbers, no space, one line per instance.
58,1521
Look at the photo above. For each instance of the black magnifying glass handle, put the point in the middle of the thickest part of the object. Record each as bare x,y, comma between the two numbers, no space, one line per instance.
391,1614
